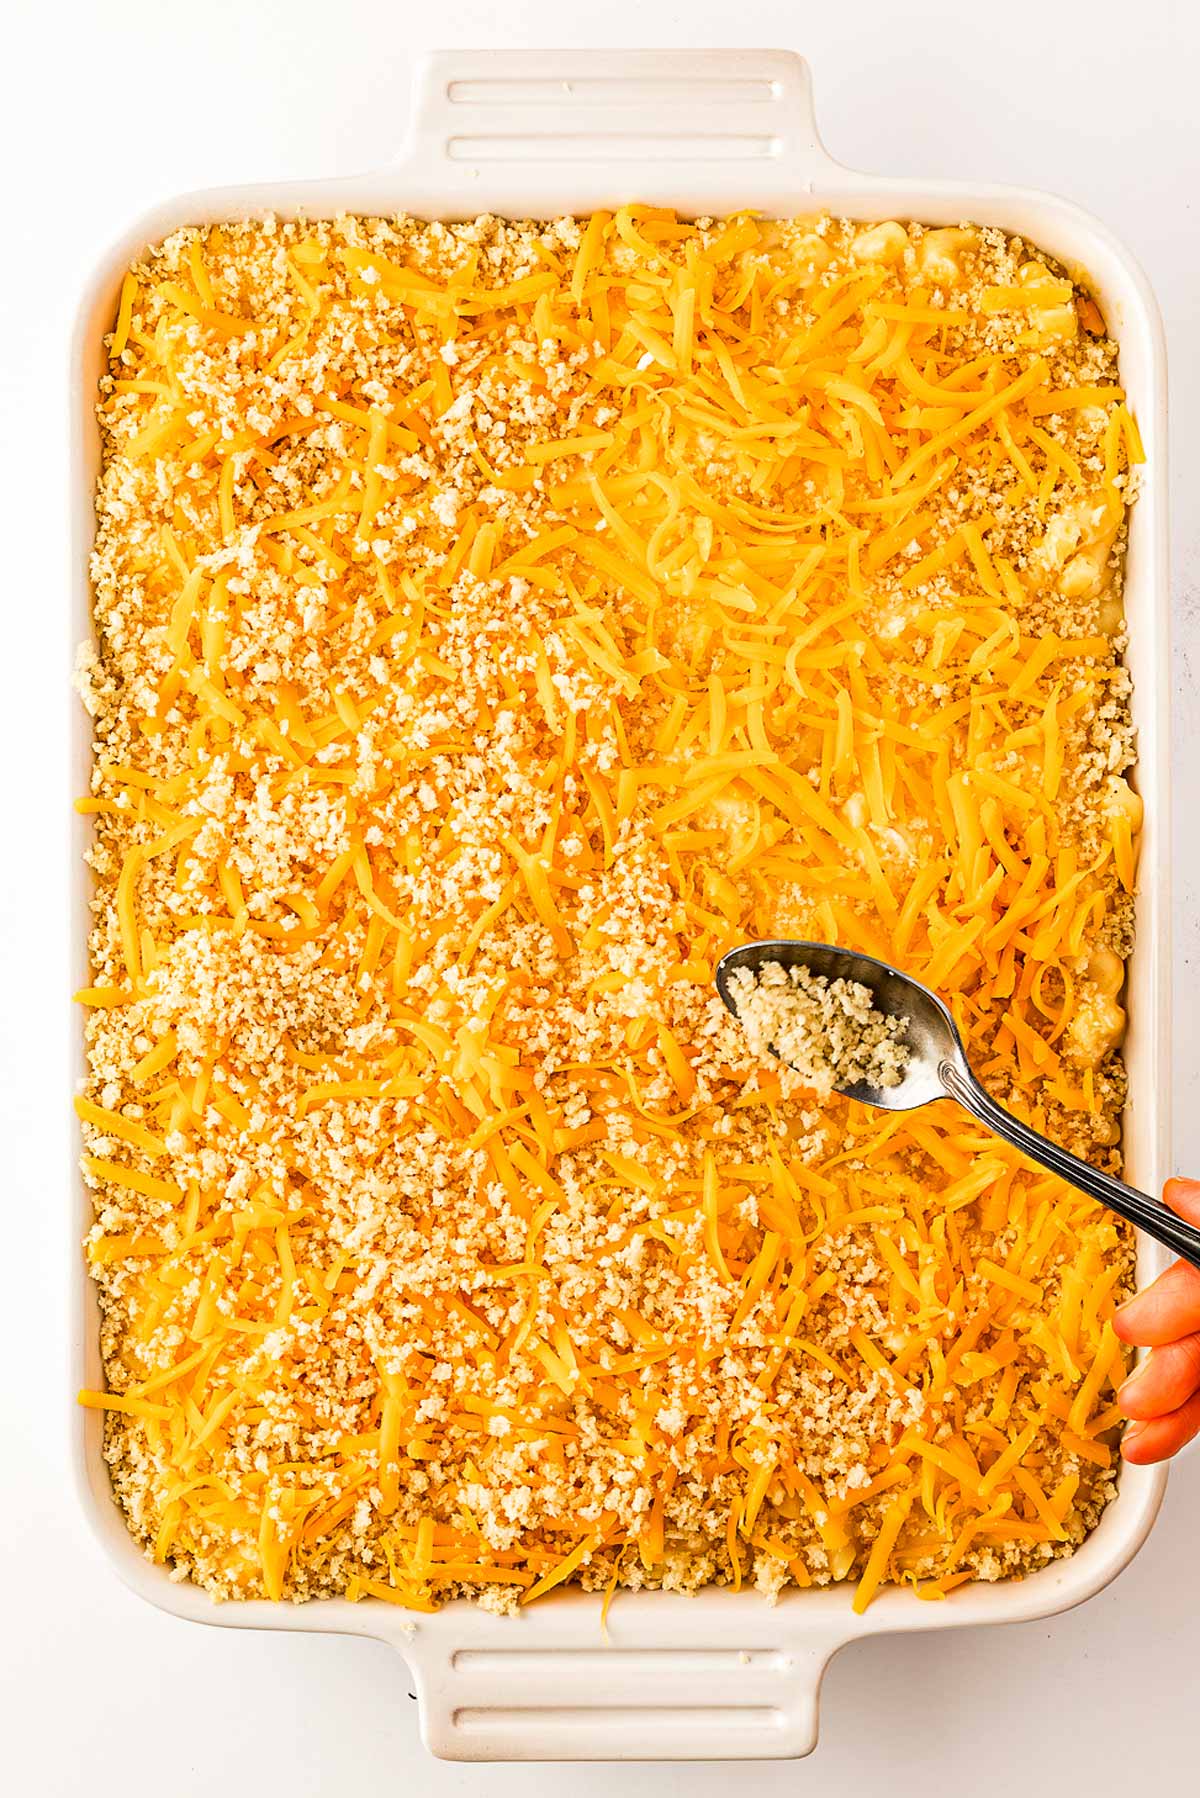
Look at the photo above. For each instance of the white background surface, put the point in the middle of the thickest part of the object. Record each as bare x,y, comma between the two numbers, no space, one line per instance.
114,104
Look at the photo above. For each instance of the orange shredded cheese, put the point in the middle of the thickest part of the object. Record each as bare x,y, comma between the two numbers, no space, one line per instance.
495,623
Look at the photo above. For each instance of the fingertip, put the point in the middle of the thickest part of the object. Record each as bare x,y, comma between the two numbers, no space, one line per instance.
1144,1443
1135,1321
1183,1197
1129,1441
1164,1381
1128,1388
1122,1326
1164,1311
1140,1408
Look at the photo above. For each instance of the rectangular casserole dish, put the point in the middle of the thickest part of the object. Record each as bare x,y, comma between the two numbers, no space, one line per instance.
719,1675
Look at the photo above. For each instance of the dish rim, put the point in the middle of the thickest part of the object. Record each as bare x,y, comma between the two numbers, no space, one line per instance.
465,1660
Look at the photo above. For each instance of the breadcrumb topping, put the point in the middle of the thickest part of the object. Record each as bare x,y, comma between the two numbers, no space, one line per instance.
827,1031
494,623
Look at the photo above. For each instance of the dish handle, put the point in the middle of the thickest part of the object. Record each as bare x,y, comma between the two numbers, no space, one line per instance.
568,1693
558,128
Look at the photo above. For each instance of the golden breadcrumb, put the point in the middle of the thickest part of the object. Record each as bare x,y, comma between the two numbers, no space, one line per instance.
826,1031
494,624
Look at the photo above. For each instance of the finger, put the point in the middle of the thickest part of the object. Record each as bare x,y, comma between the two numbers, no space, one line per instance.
1163,1309
1183,1197
1165,1380
1164,1437
1168,1309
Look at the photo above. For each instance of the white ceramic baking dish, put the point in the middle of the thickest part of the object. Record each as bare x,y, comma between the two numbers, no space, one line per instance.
720,1675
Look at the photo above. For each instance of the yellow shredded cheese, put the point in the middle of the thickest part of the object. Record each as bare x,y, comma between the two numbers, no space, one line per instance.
496,623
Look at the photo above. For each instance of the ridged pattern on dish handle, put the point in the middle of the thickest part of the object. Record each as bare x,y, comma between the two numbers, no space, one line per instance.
665,1680
537,134
609,126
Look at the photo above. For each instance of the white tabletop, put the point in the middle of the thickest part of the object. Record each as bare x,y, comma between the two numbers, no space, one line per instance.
111,107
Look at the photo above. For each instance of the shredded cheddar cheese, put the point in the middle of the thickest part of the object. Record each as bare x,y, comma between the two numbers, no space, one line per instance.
495,623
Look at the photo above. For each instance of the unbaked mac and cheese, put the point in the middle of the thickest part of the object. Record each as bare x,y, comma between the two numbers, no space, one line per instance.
494,624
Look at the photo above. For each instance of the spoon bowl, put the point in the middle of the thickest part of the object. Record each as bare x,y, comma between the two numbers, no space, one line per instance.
930,1034
937,1068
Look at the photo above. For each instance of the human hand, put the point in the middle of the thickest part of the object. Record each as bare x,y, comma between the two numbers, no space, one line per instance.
1162,1396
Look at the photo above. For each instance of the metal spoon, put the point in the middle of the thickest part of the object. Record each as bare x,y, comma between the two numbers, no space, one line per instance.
937,1068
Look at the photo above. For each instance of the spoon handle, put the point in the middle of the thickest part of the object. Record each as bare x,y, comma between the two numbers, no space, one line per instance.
1134,1206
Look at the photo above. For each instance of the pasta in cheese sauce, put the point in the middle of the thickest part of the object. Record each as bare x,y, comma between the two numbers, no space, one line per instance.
494,623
